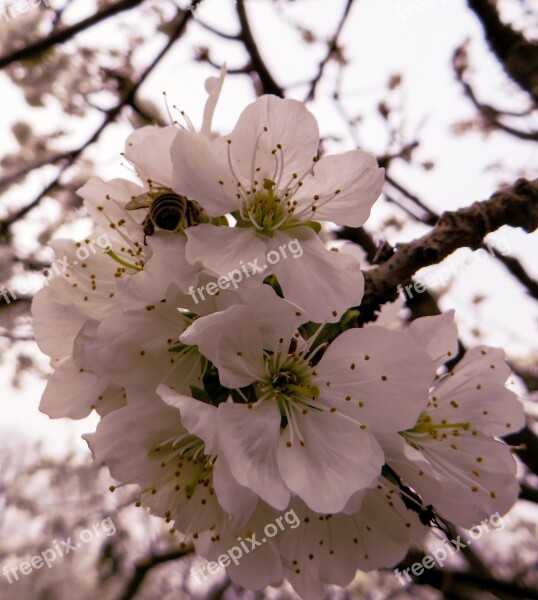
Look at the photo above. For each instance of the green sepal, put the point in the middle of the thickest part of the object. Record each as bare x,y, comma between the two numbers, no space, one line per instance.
307,330
273,282
313,225
200,394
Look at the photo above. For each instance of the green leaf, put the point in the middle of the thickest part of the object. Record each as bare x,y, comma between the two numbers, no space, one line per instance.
200,394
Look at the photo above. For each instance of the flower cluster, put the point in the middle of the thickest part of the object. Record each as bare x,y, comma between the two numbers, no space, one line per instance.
229,408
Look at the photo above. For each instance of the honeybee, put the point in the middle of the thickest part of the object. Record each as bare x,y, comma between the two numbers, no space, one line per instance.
167,210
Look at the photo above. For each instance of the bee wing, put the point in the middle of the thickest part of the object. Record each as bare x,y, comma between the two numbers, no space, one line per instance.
144,200
141,201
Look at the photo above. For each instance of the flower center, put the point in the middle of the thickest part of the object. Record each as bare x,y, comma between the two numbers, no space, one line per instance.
272,205
265,211
288,381
184,465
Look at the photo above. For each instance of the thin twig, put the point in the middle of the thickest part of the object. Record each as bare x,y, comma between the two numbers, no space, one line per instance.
127,100
145,566
331,51
62,36
269,85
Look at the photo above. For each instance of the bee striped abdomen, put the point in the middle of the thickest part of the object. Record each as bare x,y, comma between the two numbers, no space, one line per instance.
168,211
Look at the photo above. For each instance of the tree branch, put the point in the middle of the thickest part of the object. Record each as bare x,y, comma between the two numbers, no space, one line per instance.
517,55
439,578
62,36
144,567
516,206
269,85
490,114
527,441
528,493
515,267
430,217
23,172
333,49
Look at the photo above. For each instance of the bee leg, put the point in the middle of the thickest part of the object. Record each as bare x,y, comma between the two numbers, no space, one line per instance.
148,228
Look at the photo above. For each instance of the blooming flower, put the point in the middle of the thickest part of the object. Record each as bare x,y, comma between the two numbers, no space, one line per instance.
84,291
88,289
316,549
306,425
329,549
138,346
450,455
171,453
267,175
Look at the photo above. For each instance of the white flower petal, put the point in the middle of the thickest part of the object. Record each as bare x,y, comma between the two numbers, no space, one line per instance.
409,463
475,392
276,318
249,438
257,570
198,168
165,268
347,186
135,444
329,549
305,585
476,476
266,123
132,350
111,399
256,567
105,203
224,249
377,376
197,417
237,500
83,288
56,324
231,341
319,281
124,438
383,527
438,335
315,553
148,149
71,392
321,465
